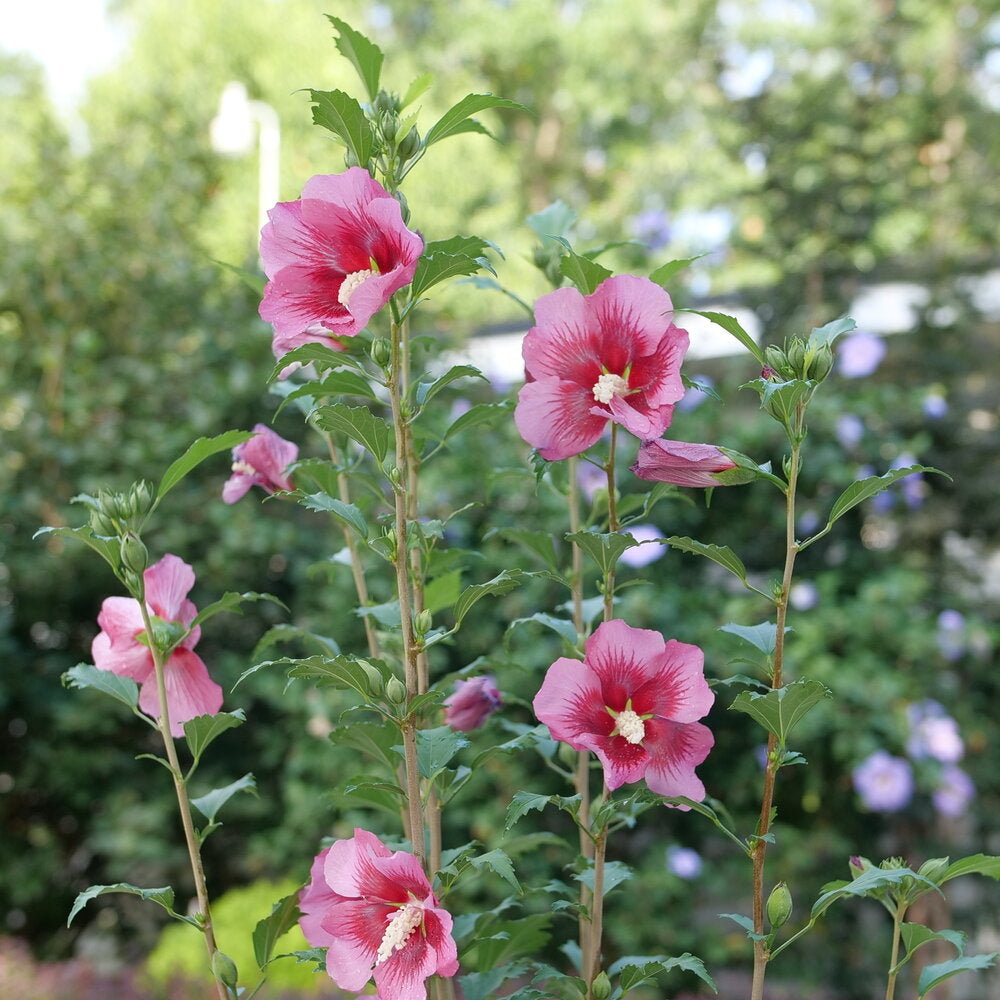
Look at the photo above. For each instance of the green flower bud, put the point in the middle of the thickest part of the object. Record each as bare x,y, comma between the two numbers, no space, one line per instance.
224,969
350,160
133,553
776,360
385,103
600,988
822,363
796,354
933,868
422,622
404,207
142,498
409,145
395,691
100,524
373,677
381,352
779,905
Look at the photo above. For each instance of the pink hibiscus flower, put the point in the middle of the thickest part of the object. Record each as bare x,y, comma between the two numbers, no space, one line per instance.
685,464
634,702
260,461
611,355
471,703
333,259
190,691
374,912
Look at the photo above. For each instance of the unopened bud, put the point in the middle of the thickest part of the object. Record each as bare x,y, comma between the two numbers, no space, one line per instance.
776,360
350,160
385,102
779,905
796,354
404,206
422,622
390,542
100,524
381,352
224,969
600,988
933,869
142,498
409,144
822,363
395,691
373,677
133,553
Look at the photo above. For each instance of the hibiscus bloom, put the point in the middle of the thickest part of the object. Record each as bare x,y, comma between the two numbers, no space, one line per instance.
685,464
333,259
260,461
190,691
611,355
374,912
471,703
634,702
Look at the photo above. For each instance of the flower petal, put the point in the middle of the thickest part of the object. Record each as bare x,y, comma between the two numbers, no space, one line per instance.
315,899
681,463
127,659
676,748
190,691
555,417
624,658
570,703
356,927
167,585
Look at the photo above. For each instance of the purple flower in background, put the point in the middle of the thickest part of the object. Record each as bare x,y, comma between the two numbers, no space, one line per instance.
912,486
933,733
646,551
954,793
850,429
803,595
693,398
651,227
951,634
808,522
684,862
884,782
472,702
883,500
935,406
859,355
590,479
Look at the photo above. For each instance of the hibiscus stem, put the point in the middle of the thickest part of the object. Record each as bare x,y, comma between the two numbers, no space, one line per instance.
609,577
183,806
597,905
761,953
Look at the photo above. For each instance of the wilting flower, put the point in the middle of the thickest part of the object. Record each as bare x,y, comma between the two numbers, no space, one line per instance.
954,793
634,702
685,464
333,259
611,355
648,550
260,461
471,703
859,355
190,691
933,733
884,782
374,912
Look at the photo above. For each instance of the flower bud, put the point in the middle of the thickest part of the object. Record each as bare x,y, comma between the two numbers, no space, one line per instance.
381,352
395,691
422,622
776,360
779,905
796,354
822,363
404,207
373,677
600,988
933,868
350,160
409,144
385,102
101,524
133,553
224,969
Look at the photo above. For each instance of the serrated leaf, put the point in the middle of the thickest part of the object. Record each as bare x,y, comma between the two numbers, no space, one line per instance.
604,549
783,399
760,636
731,325
634,970
489,414
524,802
122,689
163,896
314,353
347,672
384,795
974,864
868,883
436,748
378,740
666,271
107,548
386,614
286,633
566,630
365,56
538,542
615,872
917,935
933,975
283,917
419,85
454,120
231,602
196,454
451,258
780,710
861,490
336,383
502,583
426,391
347,513
746,923
721,554
585,274
498,862
555,220
342,115
442,592
211,802
824,336
359,424
204,729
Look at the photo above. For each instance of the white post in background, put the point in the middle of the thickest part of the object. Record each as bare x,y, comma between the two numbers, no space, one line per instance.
231,132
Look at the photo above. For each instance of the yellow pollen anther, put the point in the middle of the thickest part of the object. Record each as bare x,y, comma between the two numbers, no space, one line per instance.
351,283
608,386
630,726
397,932
245,468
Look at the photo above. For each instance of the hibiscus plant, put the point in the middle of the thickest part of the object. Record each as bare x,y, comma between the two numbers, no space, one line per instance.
616,720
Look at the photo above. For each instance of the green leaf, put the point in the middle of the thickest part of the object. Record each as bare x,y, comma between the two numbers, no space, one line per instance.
824,336
489,414
703,809
782,399
253,280
564,629
452,258
201,449
586,274
502,583
204,729
779,711
374,739
108,549
615,872
283,917
975,864
418,86
346,672
869,883
343,116
211,802
721,554
746,923
916,936
760,636
426,391
317,354
524,802
231,602
933,975
277,634
344,512
364,56
359,424
163,896
604,549
731,325
453,120
122,689
436,748
634,970
666,271
483,985
442,592
334,384
861,490
555,220
361,790
538,542
497,861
